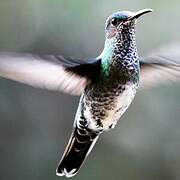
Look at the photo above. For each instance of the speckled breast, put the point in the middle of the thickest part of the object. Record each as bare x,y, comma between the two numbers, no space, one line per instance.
102,106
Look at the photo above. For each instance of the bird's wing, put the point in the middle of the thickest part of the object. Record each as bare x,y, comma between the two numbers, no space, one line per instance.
162,66
49,71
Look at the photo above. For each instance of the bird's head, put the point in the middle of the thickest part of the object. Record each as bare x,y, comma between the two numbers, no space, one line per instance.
122,20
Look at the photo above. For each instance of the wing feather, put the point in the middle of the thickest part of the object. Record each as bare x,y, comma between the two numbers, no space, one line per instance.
48,72
161,67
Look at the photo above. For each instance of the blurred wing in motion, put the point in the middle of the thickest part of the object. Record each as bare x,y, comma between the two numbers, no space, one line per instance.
162,66
49,71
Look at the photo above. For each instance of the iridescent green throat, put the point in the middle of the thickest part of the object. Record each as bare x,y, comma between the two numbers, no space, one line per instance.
120,55
107,55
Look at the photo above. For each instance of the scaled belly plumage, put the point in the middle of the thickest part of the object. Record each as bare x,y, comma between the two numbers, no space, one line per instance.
103,112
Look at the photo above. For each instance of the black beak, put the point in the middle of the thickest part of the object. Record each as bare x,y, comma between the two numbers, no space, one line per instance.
139,13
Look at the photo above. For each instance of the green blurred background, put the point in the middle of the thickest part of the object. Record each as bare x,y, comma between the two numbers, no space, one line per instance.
35,125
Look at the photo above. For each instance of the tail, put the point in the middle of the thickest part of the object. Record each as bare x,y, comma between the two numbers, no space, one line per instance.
78,148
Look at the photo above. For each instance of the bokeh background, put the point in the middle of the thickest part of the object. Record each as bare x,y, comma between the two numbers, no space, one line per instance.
35,124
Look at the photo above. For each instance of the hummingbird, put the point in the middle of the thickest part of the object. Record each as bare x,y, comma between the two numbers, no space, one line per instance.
106,85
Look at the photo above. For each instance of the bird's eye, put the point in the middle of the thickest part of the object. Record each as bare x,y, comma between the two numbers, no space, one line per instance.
114,21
